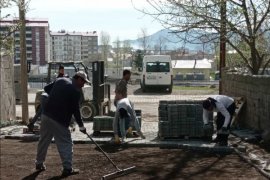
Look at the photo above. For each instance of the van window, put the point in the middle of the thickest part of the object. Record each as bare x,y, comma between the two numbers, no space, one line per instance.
157,67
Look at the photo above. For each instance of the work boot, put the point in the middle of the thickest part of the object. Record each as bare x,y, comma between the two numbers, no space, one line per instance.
129,133
40,167
69,172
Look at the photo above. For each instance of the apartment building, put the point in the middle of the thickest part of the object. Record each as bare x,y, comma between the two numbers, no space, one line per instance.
74,46
37,39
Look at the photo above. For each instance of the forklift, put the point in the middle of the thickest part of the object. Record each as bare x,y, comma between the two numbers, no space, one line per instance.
95,98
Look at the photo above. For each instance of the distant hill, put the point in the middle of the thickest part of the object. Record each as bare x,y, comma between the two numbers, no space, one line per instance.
171,40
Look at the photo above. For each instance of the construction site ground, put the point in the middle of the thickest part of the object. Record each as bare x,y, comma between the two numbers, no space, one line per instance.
154,158
17,162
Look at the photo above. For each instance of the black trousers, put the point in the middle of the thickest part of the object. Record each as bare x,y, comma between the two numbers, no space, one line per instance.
221,120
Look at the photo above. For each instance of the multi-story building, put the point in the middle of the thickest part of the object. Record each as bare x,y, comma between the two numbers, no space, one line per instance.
74,46
37,39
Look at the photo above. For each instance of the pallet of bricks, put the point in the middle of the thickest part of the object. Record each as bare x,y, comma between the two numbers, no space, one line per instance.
105,123
178,119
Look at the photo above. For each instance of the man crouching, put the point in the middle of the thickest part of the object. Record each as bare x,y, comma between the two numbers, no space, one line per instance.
124,119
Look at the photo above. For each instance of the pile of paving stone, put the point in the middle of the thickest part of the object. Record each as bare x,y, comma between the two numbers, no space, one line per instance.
181,119
105,123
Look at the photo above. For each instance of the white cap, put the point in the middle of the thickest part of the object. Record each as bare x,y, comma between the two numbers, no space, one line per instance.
82,75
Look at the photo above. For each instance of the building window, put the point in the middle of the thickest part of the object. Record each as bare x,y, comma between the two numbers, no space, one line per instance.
28,35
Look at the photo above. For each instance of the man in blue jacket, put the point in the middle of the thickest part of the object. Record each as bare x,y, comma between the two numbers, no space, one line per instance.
62,103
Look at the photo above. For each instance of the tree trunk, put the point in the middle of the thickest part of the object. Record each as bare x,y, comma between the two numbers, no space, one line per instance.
24,91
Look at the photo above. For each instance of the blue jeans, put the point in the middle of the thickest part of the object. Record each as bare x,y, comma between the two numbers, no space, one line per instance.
123,125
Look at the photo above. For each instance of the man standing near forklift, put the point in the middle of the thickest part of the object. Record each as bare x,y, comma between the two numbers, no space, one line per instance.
121,86
61,71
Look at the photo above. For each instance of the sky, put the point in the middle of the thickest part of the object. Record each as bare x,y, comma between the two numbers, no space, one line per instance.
119,18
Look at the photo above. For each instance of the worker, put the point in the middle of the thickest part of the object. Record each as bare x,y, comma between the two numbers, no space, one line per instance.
63,102
61,71
225,108
125,118
43,100
121,89
121,86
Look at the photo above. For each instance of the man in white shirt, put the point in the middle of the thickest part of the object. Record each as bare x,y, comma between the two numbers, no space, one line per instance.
225,108
125,118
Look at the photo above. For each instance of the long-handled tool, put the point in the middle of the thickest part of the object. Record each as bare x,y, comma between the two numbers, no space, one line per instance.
119,172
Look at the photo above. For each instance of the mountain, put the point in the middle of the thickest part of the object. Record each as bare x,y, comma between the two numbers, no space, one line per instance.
171,40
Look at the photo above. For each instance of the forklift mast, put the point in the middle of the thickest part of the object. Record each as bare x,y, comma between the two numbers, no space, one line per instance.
101,90
98,81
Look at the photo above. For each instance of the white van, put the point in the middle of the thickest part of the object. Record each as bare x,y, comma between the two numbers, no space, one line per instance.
157,72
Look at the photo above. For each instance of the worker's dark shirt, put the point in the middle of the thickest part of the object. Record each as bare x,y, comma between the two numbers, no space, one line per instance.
63,102
121,87
60,75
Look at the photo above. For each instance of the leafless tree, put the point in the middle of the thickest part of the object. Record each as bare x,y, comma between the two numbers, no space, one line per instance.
144,40
246,21
126,50
118,54
160,44
105,39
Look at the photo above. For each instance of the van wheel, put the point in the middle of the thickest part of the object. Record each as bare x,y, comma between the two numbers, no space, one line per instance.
144,89
88,110
170,89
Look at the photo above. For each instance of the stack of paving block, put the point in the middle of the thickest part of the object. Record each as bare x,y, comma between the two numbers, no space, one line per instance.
105,123
180,118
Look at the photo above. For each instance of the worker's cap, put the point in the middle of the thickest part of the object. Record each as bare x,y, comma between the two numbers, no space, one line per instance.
82,75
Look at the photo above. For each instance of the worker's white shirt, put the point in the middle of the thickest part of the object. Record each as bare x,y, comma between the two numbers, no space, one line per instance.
128,106
223,102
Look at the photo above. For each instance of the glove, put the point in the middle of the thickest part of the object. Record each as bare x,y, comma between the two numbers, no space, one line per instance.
117,139
83,129
129,133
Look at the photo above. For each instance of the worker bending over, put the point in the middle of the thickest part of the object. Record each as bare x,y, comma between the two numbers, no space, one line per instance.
225,108
124,119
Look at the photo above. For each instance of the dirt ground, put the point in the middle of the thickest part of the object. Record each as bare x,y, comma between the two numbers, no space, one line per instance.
17,162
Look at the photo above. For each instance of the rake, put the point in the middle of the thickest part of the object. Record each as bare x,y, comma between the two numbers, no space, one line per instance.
119,172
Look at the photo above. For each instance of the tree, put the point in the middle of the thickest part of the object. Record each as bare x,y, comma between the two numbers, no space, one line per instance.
144,40
24,90
138,58
118,53
126,50
6,41
105,42
245,20
160,45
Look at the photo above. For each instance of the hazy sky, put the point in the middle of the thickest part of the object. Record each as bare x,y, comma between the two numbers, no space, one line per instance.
117,17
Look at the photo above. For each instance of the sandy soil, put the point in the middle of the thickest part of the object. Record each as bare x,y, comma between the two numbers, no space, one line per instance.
17,162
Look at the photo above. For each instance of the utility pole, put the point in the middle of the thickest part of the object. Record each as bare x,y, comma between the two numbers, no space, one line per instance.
222,62
24,91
